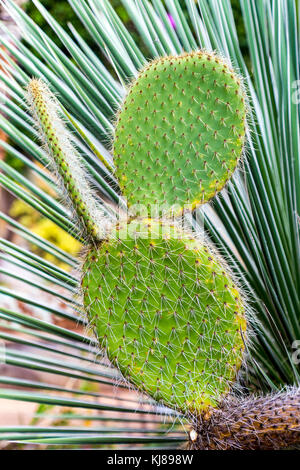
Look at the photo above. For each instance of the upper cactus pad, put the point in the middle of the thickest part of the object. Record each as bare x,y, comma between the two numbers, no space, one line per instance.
167,313
180,132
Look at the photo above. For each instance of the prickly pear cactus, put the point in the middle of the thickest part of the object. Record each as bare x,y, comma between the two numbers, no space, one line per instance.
180,132
167,313
163,305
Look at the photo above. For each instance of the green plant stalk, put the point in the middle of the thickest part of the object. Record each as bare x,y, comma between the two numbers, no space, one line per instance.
65,157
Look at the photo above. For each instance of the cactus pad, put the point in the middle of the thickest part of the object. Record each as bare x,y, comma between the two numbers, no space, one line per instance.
167,313
180,132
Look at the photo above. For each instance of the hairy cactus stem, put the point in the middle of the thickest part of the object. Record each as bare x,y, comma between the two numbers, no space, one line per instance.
65,158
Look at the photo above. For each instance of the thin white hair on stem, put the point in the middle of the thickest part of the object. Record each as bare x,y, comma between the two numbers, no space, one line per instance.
46,112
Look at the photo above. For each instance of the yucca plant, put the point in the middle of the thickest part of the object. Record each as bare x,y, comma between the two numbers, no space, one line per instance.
253,222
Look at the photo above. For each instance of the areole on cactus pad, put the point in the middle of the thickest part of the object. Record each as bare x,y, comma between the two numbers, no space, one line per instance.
167,313
180,133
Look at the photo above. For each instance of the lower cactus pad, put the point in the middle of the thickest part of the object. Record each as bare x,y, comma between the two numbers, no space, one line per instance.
167,313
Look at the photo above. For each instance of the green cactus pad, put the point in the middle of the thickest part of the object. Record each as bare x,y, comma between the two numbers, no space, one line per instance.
180,132
167,313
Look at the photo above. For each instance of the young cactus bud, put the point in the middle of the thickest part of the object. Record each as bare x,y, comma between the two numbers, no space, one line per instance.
64,157
180,132
167,313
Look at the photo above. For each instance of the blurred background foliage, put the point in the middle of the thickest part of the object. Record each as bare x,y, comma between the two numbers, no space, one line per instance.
64,14
46,229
